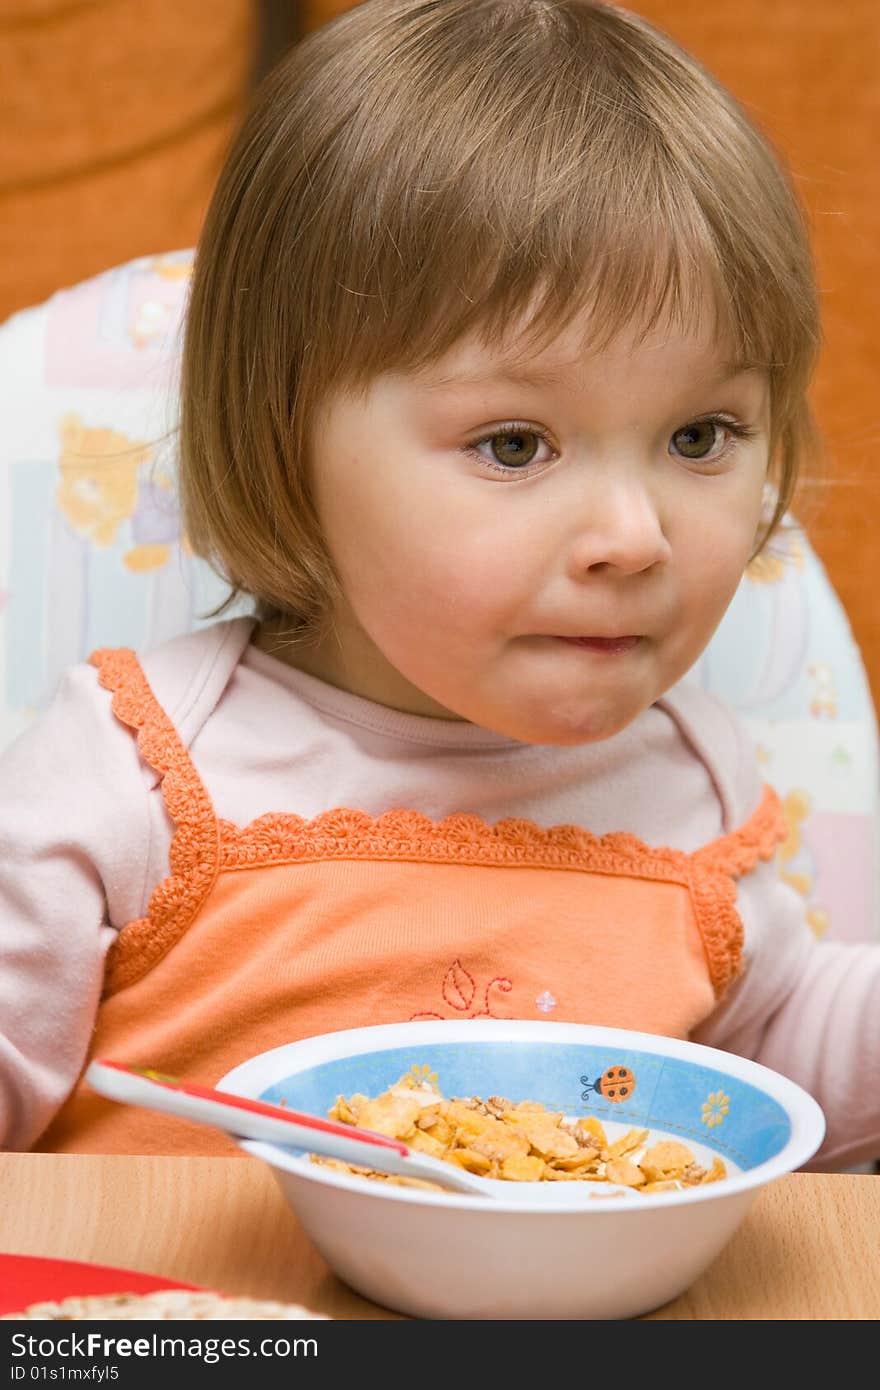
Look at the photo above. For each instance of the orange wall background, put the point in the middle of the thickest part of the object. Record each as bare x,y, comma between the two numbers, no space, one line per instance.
116,115
122,110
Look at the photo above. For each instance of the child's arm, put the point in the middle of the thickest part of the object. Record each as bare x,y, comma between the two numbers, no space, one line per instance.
807,1008
810,1010
73,843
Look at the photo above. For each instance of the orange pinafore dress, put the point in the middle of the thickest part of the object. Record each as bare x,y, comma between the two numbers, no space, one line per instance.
285,928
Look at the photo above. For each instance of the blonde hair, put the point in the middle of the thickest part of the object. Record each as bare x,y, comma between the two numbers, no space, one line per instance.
420,170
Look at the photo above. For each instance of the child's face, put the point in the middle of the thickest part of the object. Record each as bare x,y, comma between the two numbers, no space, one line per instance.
633,517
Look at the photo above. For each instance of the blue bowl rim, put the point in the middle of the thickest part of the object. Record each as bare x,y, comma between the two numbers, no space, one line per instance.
252,1077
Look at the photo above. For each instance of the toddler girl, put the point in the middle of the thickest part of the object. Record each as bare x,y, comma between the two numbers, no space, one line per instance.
499,340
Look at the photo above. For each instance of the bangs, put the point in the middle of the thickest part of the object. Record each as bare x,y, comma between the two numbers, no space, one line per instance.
561,164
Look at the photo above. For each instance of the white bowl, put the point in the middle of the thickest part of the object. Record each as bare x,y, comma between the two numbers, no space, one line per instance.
445,1255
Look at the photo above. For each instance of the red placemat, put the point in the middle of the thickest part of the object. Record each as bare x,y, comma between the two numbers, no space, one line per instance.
26,1279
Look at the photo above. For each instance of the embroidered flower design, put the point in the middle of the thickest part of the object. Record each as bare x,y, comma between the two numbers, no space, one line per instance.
459,992
715,1108
459,987
545,1002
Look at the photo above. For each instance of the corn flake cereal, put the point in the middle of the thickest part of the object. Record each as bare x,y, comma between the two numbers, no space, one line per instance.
521,1142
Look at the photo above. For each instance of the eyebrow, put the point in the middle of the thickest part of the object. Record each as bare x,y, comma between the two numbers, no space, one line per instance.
492,377
511,376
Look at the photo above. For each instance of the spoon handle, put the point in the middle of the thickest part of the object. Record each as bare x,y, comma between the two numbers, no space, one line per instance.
241,1116
256,1119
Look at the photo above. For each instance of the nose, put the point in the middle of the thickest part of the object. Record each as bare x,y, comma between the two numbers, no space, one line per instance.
620,527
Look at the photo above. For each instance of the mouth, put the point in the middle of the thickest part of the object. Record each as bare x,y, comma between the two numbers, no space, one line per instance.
609,645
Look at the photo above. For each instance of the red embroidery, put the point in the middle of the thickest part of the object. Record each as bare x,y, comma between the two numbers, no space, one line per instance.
486,1012
459,989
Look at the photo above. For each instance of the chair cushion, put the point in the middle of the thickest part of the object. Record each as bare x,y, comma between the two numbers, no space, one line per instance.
785,658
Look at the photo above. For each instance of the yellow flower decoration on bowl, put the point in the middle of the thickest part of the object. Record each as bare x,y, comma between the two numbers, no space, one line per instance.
419,1075
715,1108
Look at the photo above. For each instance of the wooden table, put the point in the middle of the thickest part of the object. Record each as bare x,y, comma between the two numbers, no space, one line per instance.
808,1248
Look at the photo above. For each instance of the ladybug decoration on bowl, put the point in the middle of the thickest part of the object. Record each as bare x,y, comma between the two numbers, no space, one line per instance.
615,1084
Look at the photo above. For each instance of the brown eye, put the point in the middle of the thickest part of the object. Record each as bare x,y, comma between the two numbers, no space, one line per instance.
697,439
511,449
515,449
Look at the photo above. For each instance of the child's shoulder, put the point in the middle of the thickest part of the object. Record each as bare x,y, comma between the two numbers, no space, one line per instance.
188,674
182,678
720,738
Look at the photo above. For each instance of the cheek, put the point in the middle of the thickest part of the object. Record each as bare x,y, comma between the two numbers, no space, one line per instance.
714,558
402,551
461,584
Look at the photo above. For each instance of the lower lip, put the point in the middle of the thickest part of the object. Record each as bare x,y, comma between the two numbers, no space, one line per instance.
607,646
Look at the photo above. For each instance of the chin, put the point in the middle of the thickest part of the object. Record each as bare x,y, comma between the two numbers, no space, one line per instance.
592,734
568,732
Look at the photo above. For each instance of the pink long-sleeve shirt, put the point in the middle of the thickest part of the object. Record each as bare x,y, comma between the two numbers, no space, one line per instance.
85,838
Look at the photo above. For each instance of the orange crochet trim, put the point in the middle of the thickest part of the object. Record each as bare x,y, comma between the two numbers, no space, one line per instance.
758,838
464,838
193,856
713,889
281,837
